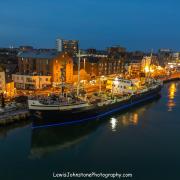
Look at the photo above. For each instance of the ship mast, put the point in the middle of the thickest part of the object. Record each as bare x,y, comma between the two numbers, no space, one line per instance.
78,83
149,73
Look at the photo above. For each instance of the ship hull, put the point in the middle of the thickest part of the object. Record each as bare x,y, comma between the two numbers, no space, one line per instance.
45,118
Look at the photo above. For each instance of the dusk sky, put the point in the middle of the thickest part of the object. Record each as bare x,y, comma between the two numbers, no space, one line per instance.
134,24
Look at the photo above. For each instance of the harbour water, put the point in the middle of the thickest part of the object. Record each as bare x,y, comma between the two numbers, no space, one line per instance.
143,141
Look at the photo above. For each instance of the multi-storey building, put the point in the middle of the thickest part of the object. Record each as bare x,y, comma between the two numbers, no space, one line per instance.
68,46
164,56
6,84
134,69
38,69
116,50
175,57
98,66
59,45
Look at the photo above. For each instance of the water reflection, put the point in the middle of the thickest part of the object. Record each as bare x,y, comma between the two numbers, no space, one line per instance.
128,118
6,130
48,140
113,123
171,96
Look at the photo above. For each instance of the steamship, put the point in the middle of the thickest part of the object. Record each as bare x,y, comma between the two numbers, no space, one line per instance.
61,110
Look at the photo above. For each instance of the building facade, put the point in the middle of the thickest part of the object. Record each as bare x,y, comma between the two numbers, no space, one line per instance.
31,81
134,69
99,66
2,81
6,85
39,69
164,56
62,69
59,45
70,46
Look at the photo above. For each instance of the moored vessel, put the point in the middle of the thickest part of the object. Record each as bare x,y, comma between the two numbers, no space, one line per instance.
60,110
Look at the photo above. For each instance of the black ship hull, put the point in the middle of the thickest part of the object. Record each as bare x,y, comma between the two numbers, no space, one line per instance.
44,118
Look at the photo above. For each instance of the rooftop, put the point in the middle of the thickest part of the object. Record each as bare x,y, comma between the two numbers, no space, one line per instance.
38,54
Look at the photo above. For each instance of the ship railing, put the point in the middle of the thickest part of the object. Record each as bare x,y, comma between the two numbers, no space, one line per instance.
107,102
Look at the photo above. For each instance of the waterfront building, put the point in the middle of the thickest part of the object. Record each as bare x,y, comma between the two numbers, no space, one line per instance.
148,62
98,65
6,85
36,62
62,69
39,69
31,81
2,81
134,69
111,65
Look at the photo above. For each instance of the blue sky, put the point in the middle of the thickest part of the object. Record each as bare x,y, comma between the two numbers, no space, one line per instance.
135,24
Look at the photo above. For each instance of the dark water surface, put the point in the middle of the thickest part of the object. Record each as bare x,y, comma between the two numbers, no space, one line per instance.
144,141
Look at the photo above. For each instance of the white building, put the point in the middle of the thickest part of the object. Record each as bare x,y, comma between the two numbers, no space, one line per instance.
59,45
31,82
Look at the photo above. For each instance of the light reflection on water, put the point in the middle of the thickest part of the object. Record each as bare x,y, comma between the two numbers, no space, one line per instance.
126,119
171,96
113,122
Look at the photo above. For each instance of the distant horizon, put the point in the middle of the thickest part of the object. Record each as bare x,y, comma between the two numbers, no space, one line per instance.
138,26
127,48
